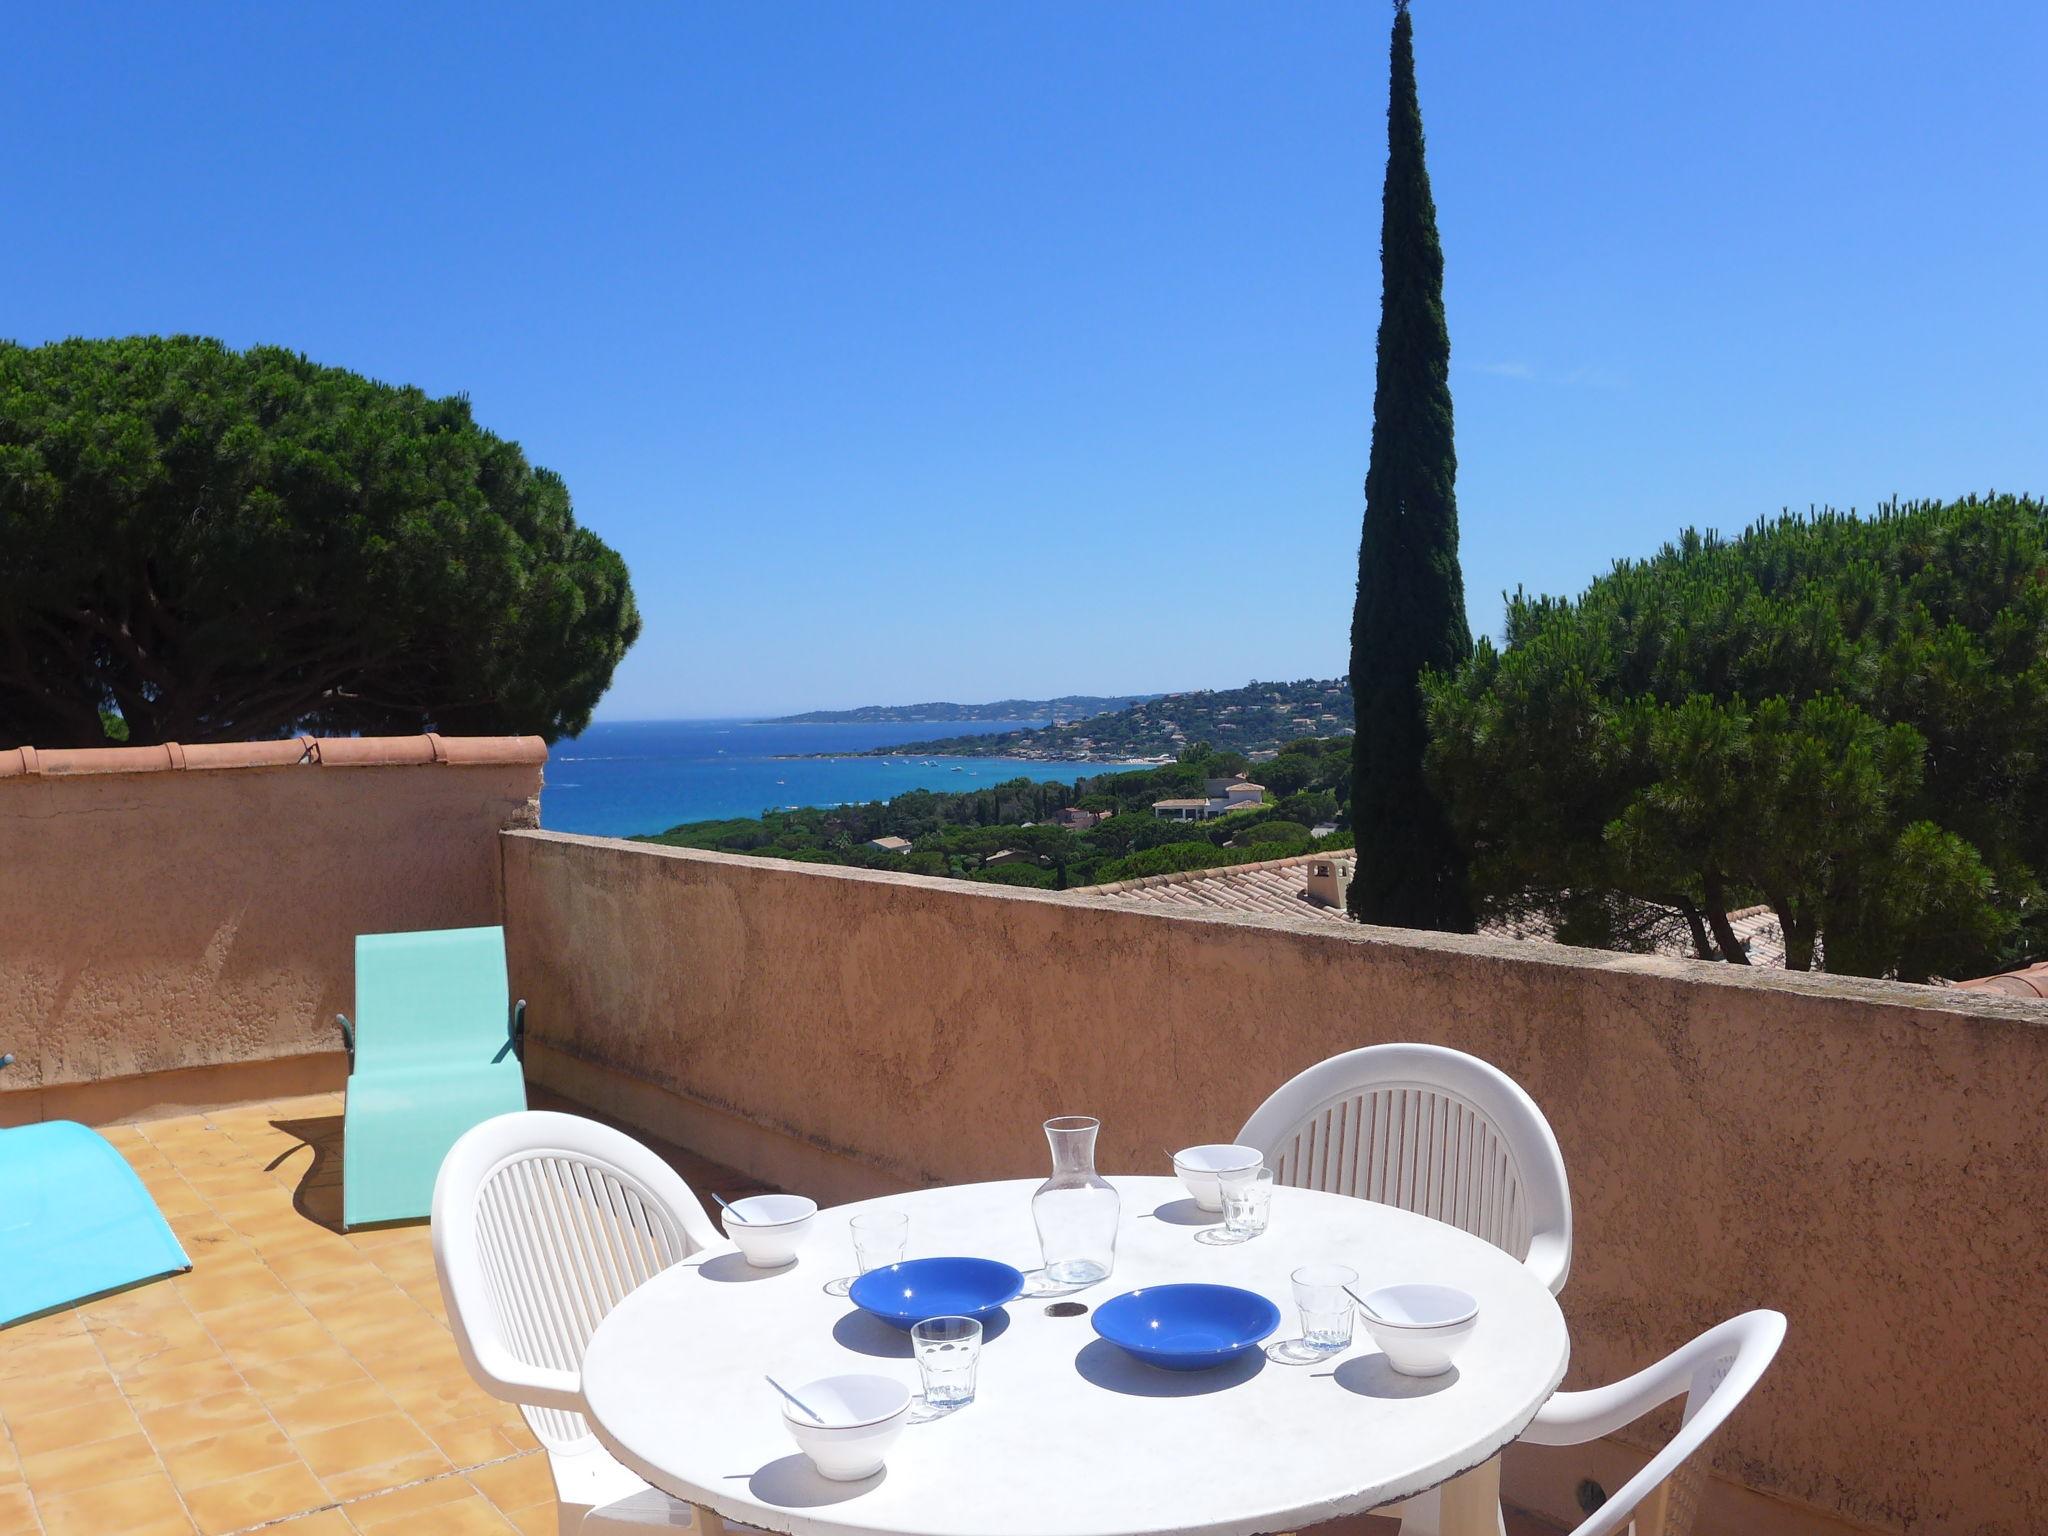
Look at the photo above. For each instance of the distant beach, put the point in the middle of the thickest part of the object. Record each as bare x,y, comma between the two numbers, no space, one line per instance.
636,776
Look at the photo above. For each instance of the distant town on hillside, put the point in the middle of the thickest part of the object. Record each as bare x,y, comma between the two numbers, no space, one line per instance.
1259,717
1073,706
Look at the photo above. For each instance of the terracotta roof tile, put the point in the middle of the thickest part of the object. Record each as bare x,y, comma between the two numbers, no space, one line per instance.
1280,886
327,751
2031,981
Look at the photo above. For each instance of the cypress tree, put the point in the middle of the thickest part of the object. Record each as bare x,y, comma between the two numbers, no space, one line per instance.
1410,613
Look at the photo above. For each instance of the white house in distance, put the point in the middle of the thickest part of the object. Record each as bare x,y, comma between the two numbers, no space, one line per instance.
890,844
1222,796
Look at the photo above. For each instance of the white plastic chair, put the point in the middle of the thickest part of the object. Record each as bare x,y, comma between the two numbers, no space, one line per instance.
1715,1372
1433,1131
542,1223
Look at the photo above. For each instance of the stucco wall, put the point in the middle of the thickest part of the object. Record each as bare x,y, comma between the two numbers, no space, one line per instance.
169,908
1867,1157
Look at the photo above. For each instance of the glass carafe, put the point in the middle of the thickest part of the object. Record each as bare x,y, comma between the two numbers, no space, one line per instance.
1076,1209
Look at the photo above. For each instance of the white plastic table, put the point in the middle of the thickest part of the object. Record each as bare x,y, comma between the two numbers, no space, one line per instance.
1068,1436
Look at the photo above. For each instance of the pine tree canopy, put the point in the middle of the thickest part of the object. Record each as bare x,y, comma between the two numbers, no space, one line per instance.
1843,718
198,544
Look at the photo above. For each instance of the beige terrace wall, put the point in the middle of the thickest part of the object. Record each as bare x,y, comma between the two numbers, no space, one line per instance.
190,912
1868,1157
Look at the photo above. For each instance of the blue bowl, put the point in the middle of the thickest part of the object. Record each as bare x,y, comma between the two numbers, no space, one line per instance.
1187,1327
904,1295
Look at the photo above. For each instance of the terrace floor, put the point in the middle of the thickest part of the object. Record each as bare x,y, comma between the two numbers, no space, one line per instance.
300,1380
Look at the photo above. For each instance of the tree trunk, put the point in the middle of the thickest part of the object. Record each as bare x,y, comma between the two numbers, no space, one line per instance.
1717,919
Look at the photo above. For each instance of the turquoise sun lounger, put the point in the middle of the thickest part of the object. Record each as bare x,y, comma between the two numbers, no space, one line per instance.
75,1221
433,1051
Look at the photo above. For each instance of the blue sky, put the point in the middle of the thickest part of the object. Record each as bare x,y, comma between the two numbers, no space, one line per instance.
958,351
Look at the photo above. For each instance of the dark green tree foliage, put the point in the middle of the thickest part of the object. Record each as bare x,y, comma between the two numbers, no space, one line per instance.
1844,718
222,545
955,834
1410,615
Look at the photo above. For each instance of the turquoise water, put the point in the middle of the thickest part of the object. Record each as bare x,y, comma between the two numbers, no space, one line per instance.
624,777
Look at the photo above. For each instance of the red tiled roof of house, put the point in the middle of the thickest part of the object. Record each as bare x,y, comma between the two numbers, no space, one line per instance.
2031,981
1280,886
1271,886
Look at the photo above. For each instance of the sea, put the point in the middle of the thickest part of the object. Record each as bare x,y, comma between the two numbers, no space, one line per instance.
625,777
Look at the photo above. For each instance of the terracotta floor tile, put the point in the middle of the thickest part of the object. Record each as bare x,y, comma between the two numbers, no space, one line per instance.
330,1407
18,1513
438,1397
377,1510
517,1483
473,1442
249,1348
87,1466
103,1417
237,1453
140,1506
220,1413
244,1501
174,1337
213,1289
18,1339
367,1443
472,1516
329,1368
10,1463
139,1301
359,1481
168,1384
23,1396
542,1519
249,1319
329,1522
60,1356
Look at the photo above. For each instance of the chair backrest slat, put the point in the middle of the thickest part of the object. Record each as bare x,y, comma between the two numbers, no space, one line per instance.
1430,1130
544,1223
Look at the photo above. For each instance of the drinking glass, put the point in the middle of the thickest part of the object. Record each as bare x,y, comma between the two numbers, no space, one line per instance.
879,1238
1247,1201
1325,1305
948,1350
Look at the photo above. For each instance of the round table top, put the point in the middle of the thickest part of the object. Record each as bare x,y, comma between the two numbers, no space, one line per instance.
1067,1435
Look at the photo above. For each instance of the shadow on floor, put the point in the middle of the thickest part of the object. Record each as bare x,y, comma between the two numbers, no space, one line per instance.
318,1195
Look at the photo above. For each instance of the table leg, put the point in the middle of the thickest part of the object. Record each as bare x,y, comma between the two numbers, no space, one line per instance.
1471,1503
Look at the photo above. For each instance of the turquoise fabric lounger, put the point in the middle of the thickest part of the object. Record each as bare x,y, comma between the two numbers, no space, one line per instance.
75,1221
433,1051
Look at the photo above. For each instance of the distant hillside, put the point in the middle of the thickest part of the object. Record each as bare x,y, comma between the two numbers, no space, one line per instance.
1073,706
1258,717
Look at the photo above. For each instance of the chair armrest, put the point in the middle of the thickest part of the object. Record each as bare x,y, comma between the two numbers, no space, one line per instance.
512,1380
519,1029
1550,1259
348,1038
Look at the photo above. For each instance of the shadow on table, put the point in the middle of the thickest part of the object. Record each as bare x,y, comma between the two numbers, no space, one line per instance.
866,1334
1104,1365
1185,1213
1375,1376
733,1268
793,1483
